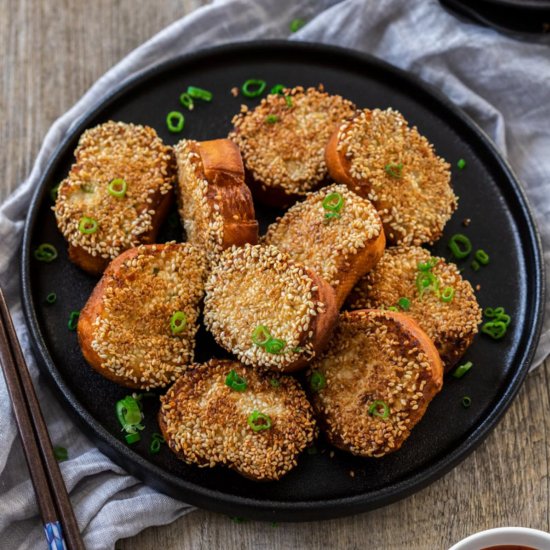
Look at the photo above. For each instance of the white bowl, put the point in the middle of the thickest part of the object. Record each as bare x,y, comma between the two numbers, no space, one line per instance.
532,538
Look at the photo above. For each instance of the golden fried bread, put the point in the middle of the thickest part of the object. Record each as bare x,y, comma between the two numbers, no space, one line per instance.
375,381
215,204
340,241
451,324
258,431
268,310
377,155
126,329
117,193
283,139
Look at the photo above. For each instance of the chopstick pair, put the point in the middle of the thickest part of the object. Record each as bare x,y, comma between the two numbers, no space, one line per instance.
55,507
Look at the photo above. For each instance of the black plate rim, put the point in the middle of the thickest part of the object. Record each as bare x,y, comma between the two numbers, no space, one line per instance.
250,507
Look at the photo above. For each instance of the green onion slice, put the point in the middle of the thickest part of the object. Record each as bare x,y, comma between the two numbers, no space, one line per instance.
235,382
461,370
317,381
45,252
296,24
277,89
393,169
175,121
187,101
392,308
460,246
333,202
466,401
199,93
374,409
156,441
475,265
271,119
54,191
87,225
425,281
447,294
494,329
274,382
258,421
427,266
253,87
275,345
61,454
132,438
261,335
128,412
51,298
117,188
481,256
404,303
73,320
178,322
288,101
461,164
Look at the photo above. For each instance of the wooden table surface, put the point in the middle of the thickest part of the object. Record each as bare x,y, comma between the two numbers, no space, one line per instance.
51,52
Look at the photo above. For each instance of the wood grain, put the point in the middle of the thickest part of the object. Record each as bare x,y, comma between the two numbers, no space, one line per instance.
51,53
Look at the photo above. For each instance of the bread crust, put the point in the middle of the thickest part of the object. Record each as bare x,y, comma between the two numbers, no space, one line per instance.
375,356
215,203
157,368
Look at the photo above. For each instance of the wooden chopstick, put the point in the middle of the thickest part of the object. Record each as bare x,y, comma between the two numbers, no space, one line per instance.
53,500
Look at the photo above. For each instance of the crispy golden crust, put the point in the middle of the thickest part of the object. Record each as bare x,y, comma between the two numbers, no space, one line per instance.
381,158
124,328
215,203
205,422
340,249
375,356
284,158
451,325
260,285
110,151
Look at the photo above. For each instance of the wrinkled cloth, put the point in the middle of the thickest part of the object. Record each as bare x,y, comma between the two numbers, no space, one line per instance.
501,81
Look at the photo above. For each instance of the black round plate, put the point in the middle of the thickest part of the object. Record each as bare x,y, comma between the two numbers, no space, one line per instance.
322,485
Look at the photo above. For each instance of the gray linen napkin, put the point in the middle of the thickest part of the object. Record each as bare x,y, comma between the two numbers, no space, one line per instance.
500,81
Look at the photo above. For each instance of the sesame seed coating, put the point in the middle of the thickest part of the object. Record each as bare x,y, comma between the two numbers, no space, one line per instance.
260,285
204,421
375,356
106,152
124,329
415,200
289,153
329,246
451,325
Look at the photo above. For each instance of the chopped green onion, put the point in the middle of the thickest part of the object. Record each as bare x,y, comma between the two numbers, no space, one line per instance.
333,203
199,93
51,298
288,101
426,280
175,121
253,87
461,164
87,225
54,192
296,24
495,329
475,265
277,89
261,335
404,303
178,322
275,345
481,256
447,294
504,319
258,421
60,454
73,320
427,266
461,370
394,170
187,101
117,188
274,382
271,119
392,308
45,252
489,312
128,412
132,438
156,441
235,382
460,246
330,215
317,381
466,401
374,409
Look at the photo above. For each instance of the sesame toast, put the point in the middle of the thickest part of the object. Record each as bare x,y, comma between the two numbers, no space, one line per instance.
433,292
335,232
138,327
267,309
377,155
375,382
223,413
214,201
117,193
283,139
